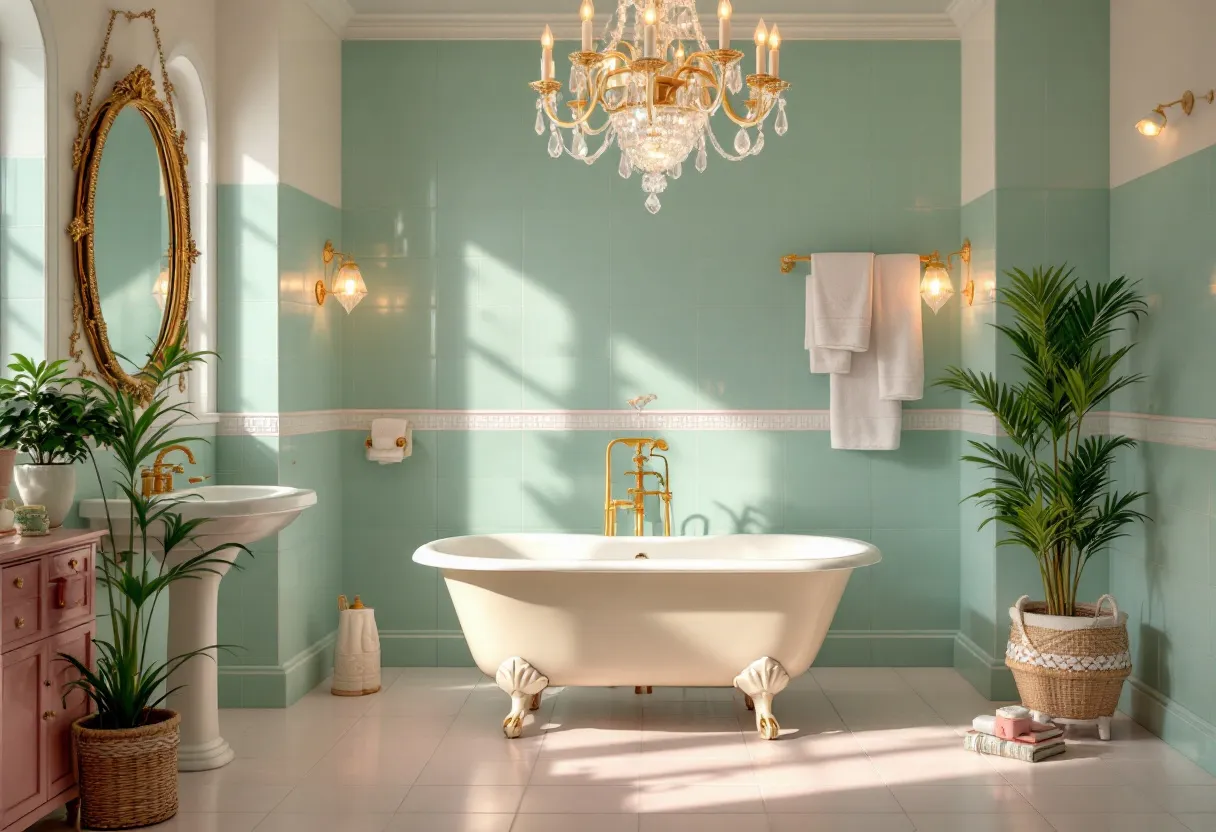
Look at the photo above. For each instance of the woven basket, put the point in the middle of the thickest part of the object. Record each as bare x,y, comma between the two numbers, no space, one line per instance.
1073,673
127,777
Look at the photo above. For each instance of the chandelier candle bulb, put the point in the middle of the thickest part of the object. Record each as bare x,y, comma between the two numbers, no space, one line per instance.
650,35
774,45
587,12
761,39
546,55
724,11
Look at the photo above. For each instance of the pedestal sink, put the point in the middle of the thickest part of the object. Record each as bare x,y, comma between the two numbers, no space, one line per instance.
237,514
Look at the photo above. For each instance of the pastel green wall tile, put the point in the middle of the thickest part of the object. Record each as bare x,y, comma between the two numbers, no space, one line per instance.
23,189
1052,93
407,652
452,652
825,487
918,487
913,651
309,349
845,652
247,242
917,580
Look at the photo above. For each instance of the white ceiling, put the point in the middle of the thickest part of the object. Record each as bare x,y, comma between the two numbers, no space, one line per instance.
766,7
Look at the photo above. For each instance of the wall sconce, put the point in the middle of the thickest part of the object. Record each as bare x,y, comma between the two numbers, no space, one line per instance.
1153,123
346,284
936,287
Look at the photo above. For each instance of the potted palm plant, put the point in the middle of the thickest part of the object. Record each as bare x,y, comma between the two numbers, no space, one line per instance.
1051,487
42,418
127,748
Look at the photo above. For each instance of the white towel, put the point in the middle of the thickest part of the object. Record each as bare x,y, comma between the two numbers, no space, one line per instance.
822,360
860,420
842,288
897,327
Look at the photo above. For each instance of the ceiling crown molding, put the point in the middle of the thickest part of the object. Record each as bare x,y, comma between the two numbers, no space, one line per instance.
336,13
960,11
497,26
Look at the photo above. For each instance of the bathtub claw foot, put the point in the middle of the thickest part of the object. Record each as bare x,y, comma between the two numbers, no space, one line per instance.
760,681
523,683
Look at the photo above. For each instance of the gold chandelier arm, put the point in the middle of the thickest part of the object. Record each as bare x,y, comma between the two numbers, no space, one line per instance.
761,112
600,86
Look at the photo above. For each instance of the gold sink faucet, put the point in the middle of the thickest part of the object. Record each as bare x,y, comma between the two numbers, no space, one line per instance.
159,478
643,451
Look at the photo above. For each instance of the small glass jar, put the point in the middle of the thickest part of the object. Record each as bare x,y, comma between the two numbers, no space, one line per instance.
32,521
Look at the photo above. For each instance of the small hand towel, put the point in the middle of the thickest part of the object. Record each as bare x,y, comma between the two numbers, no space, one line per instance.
822,360
859,419
897,327
842,291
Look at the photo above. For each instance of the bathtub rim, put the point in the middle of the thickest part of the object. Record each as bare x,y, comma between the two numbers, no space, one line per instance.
867,555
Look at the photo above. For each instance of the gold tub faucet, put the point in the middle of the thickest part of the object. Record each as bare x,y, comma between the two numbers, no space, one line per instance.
643,451
159,478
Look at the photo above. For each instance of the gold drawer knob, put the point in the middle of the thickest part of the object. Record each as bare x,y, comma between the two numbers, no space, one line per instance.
48,714
18,582
20,622
73,563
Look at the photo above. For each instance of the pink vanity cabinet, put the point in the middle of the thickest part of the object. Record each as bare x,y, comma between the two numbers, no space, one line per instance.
46,608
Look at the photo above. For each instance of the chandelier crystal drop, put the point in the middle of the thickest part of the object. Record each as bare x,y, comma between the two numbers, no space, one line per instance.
659,90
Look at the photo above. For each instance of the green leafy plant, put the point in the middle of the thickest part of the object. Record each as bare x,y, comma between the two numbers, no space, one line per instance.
125,683
1052,490
40,416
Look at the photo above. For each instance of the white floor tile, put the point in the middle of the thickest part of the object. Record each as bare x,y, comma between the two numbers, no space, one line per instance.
229,796
1067,800
1116,823
967,799
861,749
808,798
441,822
703,823
737,800
840,823
998,822
579,800
463,799
312,797
197,822
324,822
576,823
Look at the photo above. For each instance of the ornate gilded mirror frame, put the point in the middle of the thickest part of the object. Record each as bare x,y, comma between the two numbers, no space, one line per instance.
138,90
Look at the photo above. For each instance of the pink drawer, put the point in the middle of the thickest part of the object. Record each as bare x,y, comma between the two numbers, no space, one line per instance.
21,581
22,620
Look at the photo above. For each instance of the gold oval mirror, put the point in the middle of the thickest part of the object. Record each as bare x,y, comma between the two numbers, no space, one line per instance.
130,231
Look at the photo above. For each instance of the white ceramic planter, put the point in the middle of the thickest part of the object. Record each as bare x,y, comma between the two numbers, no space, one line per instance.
53,486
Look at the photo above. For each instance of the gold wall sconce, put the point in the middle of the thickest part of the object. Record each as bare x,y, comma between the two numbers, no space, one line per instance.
346,284
936,287
1153,123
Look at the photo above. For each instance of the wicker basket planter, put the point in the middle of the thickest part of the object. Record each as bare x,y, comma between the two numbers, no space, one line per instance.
1069,666
128,777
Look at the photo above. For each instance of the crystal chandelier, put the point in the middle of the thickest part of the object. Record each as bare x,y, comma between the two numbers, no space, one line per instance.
658,98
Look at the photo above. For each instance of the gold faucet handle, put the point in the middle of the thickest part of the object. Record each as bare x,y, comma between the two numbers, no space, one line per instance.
197,480
177,469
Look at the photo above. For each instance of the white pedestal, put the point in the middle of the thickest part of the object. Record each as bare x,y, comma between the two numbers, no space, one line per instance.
193,623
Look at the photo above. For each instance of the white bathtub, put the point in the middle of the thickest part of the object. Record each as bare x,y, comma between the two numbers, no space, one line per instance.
566,609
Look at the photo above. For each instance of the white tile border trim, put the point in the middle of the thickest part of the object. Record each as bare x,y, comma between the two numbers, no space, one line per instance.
320,421
1165,430
508,26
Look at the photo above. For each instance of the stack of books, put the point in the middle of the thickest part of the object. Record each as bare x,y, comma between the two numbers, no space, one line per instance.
1011,733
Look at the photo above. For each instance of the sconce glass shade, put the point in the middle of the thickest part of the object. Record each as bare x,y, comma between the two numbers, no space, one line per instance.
1152,124
347,286
936,287
160,289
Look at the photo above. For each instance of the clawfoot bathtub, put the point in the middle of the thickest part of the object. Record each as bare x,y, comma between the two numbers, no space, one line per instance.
564,609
